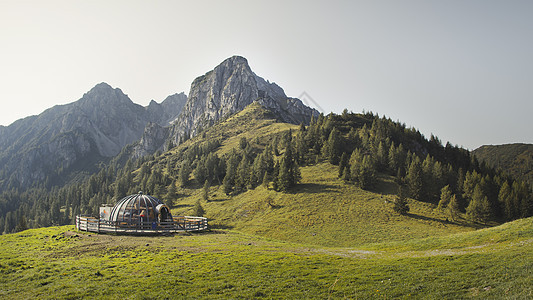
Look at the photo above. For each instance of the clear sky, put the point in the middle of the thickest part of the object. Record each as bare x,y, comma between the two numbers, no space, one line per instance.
462,70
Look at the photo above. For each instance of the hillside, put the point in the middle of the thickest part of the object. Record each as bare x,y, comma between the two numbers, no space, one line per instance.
55,262
322,210
515,159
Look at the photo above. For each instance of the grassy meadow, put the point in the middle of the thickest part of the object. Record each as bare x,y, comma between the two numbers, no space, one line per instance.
57,262
322,210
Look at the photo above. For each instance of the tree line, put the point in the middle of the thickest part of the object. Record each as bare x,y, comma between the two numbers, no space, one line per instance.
363,146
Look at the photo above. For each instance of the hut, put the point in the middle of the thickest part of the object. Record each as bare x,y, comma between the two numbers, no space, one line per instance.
140,210
139,214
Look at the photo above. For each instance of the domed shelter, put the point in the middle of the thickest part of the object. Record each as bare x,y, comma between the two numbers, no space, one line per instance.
139,209
139,214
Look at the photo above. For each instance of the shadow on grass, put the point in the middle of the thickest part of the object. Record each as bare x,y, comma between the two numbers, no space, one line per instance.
182,205
385,187
217,200
220,226
313,188
445,222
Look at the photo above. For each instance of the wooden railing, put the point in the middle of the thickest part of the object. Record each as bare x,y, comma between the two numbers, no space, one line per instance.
179,224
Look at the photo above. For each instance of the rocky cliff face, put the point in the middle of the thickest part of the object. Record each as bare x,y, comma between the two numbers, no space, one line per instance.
78,135
167,111
229,88
154,138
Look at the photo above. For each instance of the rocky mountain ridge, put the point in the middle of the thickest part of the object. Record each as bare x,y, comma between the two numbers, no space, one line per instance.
78,136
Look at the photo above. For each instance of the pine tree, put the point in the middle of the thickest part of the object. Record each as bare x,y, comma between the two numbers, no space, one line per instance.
231,173
479,208
170,196
266,180
401,205
332,148
445,197
243,175
414,179
506,200
21,225
198,210
382,157
453,208
184,173
289,171
342,164
200,172
367,174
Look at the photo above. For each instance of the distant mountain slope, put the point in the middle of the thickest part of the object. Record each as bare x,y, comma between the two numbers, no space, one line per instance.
516,159
76,136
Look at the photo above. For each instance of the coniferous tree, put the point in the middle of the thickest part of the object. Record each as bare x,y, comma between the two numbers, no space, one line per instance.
445,197
301,147
332,148
429,185
506,200
284,181
198,210
184,173
453,208
275,176
200,172
343,163
367,175
231,173
401,205
382,157
288,171
266,180
170,196
479,208
356,159
21,225
414,179
242,176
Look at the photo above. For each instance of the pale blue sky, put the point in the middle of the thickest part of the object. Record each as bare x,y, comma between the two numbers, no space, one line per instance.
462,70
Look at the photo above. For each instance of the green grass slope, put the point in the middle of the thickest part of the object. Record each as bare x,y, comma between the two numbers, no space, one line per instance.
322,210
56,262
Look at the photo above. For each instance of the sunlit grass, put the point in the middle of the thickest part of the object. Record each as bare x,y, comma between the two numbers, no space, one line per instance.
51,263
322,210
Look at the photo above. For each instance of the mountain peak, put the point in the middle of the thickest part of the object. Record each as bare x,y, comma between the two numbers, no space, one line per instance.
102,85
104,93
235,59
229,88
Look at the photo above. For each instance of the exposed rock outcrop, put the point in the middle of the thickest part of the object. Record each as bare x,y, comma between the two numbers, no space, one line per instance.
154,138
229,88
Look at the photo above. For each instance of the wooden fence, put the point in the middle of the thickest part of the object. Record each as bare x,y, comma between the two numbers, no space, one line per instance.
179,224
